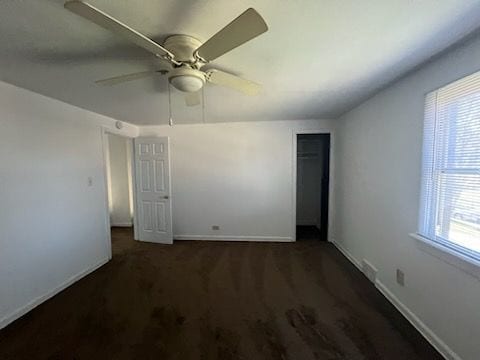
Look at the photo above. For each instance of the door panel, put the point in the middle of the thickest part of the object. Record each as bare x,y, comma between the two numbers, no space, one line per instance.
145,175
161,216
147,216
159,175
153,189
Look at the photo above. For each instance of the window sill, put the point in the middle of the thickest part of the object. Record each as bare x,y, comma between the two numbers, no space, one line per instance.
460,261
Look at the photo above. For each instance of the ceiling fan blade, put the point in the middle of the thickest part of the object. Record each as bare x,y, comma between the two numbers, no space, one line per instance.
232,81
104,20
124,78
244,28
193,98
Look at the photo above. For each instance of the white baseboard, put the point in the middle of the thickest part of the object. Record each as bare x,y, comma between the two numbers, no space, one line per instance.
422,328
37,301
347,254
427,333
234,238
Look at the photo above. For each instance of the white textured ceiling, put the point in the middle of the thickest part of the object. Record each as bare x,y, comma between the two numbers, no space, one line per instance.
319,58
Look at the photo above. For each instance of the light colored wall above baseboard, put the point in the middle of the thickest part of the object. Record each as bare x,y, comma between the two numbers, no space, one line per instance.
237,176
52,196
379,153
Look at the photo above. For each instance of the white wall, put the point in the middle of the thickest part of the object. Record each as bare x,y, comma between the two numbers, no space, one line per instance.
378,165
118,179
238,176
52,223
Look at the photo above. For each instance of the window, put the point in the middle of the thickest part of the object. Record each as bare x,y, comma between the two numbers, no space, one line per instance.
450,200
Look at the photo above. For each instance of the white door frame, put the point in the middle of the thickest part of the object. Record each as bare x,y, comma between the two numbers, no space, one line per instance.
106,158
331,172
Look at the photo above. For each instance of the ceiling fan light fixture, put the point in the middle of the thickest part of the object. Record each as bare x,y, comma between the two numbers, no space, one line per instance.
186,79
187,83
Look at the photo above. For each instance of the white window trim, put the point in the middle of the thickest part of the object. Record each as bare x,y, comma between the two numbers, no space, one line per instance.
426,241
455,258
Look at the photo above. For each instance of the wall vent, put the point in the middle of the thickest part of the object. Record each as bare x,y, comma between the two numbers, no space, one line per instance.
369,270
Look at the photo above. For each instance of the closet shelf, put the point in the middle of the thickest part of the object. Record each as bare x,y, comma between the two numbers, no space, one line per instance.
307,155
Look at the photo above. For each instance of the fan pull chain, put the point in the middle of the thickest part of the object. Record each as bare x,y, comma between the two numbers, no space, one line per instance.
170,119
203,104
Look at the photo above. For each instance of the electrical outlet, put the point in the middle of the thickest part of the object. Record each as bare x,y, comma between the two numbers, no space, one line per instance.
215,227
400,277
369,270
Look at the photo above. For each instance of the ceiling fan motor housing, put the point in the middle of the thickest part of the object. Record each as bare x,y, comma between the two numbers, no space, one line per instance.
183,47
186,77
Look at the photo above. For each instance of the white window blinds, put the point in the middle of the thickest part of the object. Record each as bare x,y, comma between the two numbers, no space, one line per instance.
450,200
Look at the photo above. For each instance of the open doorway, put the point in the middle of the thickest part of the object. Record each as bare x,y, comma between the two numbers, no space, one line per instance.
313,177
120,187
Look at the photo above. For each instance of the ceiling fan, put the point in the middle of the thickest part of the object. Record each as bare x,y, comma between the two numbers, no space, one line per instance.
185,56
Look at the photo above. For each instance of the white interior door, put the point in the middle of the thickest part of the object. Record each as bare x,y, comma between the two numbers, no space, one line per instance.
152,175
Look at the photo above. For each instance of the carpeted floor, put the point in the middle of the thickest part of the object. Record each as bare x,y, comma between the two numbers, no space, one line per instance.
216,300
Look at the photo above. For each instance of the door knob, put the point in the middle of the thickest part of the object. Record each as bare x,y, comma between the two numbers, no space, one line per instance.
166,197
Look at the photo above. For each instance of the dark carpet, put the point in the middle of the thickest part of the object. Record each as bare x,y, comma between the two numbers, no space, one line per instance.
216,300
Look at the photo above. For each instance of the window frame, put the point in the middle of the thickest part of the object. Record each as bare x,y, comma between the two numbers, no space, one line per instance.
455,254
